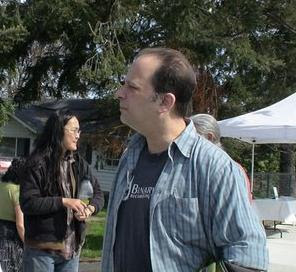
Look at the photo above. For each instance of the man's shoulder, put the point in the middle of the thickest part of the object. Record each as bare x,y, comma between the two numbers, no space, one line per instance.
208,149
135,142
207,154
136,139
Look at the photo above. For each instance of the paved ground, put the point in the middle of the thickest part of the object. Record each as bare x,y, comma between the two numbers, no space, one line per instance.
89,266
282,251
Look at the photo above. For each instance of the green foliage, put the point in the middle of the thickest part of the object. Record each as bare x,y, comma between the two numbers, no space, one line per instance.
6,107
108,63
59,44
12,31
10,37
266,156
83,46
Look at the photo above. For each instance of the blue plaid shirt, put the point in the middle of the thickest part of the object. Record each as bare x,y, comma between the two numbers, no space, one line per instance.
199,209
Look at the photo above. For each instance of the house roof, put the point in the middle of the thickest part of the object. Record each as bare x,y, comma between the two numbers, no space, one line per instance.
89,112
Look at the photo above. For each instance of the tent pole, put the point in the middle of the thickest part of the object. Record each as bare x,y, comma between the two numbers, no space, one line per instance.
252,170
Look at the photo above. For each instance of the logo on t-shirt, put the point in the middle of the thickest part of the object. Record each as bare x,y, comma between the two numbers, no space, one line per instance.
137,191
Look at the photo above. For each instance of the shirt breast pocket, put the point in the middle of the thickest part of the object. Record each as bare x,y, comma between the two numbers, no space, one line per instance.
181,219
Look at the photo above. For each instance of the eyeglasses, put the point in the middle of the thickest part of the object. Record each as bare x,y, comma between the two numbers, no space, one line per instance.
75,131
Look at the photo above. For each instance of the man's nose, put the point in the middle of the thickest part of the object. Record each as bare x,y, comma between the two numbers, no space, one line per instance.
120,92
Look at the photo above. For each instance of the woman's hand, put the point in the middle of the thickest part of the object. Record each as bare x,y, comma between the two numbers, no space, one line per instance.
88,211
75,204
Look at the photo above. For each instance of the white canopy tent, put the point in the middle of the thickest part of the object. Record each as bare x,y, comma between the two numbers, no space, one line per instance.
273,124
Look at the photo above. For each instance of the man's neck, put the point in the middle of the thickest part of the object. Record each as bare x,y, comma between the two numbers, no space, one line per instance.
160,137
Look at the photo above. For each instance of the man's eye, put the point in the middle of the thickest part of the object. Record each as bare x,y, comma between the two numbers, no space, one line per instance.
132,87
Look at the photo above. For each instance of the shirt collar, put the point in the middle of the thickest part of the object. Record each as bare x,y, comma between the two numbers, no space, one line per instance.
69,156
186,139
184,142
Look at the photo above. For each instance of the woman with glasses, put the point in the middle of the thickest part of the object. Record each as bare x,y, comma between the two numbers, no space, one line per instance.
53,213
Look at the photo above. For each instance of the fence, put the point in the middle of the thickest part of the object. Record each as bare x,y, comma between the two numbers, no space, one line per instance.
264,183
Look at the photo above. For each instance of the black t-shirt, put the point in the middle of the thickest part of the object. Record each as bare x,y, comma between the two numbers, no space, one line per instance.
131,249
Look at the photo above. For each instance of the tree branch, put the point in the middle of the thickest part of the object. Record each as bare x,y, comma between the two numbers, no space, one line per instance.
281,21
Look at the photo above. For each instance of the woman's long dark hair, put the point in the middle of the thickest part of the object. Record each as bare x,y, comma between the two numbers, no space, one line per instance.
49,144
14,171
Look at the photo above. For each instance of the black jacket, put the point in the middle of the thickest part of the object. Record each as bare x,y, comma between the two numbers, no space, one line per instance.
45,216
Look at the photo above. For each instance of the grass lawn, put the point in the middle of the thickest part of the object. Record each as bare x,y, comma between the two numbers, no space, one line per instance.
92,248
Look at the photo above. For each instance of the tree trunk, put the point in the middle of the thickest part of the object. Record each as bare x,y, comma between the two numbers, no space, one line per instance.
287,183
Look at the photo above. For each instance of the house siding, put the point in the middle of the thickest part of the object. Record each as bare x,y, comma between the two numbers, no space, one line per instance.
13,129
106,178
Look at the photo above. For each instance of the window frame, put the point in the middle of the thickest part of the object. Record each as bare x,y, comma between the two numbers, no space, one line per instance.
16,139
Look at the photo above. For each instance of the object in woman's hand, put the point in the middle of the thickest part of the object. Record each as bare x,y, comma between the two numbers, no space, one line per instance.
86,191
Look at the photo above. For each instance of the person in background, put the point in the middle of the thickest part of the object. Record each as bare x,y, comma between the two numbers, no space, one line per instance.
11,219
207,126
177,201
54,216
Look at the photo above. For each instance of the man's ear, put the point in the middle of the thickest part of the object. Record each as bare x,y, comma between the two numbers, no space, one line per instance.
168,101
210,137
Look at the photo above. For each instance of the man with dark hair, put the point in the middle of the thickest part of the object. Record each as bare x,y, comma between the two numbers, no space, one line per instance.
174,75
177,200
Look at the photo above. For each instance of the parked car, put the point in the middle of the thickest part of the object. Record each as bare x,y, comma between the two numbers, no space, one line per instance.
4,164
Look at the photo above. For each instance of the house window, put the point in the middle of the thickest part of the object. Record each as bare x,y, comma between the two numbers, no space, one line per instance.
14,147
7,147
23,147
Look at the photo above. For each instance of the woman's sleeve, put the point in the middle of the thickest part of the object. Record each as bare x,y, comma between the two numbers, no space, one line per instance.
31,200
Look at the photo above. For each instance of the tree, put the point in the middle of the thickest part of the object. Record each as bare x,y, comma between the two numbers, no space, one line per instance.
11,33
6,107
243,51
57,45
